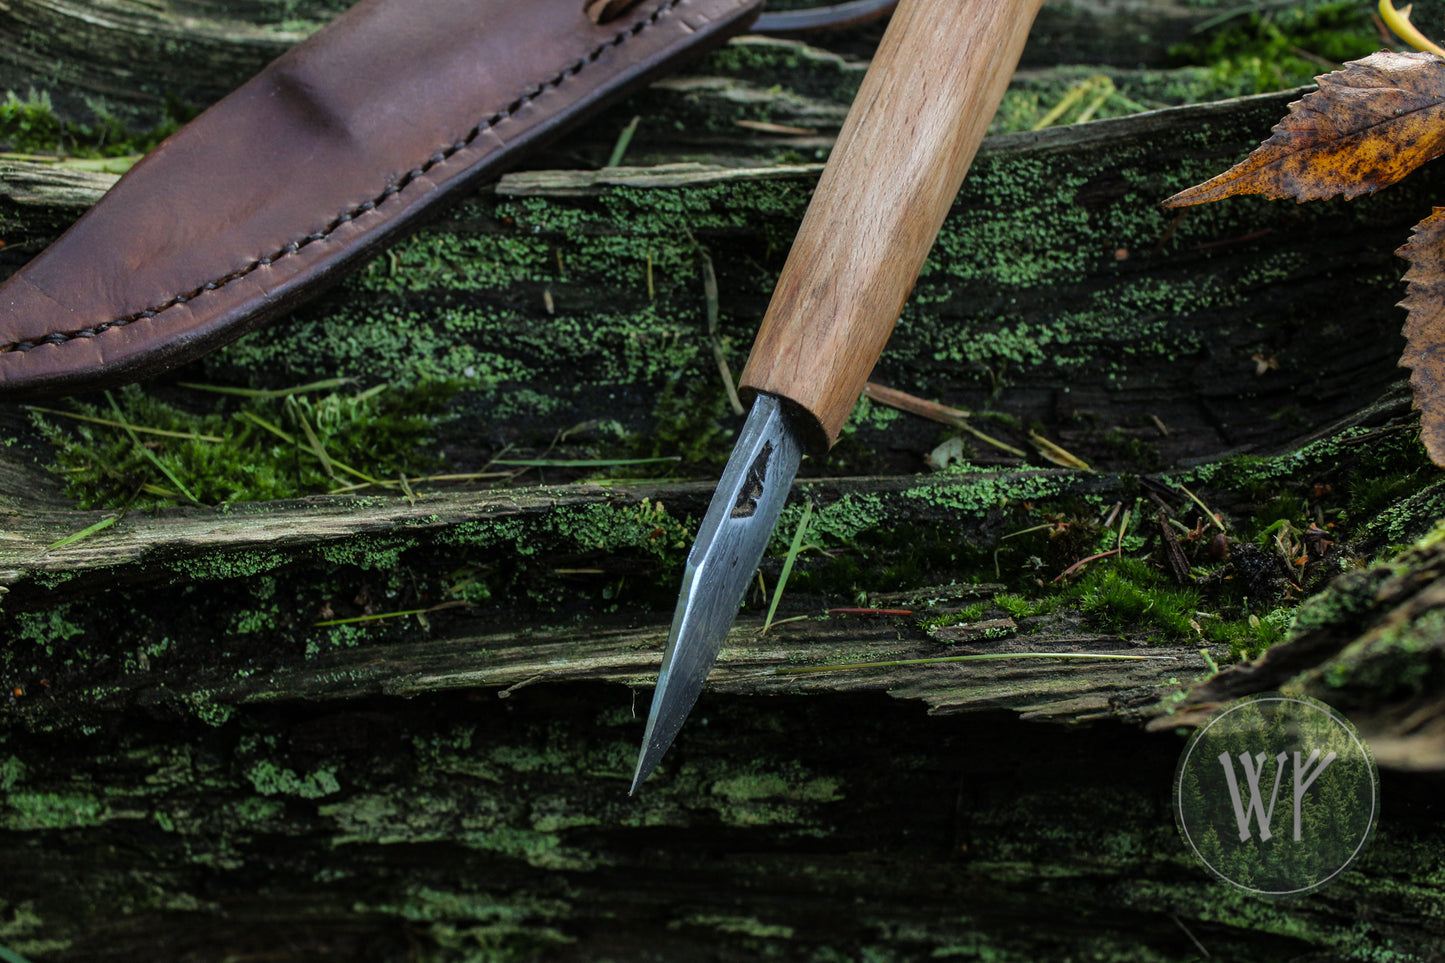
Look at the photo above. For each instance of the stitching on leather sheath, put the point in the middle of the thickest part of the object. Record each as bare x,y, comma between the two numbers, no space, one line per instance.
436,159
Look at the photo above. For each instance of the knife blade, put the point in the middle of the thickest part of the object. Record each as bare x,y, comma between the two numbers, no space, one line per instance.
921,112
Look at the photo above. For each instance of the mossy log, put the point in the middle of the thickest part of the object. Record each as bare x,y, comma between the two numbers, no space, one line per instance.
399,722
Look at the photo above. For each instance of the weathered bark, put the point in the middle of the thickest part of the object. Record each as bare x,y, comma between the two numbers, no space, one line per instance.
195,765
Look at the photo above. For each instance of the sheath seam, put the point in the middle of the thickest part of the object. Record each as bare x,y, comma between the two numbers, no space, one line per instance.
435,160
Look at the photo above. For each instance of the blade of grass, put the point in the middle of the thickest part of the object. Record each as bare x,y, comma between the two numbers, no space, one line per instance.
87,531
150,455
624,140
992,657
10,956
141,429
328,384
257,420
793,550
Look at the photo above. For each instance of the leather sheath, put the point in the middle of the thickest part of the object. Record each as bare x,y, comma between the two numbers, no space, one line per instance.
331,151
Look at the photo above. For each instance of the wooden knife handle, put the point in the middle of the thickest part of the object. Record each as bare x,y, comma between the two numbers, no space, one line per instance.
924,106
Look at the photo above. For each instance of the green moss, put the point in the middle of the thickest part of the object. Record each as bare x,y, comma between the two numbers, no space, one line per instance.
970,613
743,925
12,770
1129,594
222,452
48,810
1016,606
1281,48
30,125
270,779
47,628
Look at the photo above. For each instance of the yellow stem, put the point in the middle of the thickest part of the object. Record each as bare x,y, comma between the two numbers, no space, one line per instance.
1399,22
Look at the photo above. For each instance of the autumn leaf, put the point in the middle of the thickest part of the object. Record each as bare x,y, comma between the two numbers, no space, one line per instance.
1425,328
1366,127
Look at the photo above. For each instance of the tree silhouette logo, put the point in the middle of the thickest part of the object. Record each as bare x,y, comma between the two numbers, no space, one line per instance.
1277,794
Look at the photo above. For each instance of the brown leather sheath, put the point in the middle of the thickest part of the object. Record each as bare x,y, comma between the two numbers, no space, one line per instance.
333,149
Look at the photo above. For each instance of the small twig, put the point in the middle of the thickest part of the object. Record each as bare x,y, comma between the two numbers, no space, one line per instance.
1180,923
1113,514
878,612
532,680
1168,234
933,411
1085,561
764,127
580,462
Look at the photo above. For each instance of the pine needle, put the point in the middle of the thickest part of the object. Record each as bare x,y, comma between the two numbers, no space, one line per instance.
140,429
327,385
375,617
317,448
147,453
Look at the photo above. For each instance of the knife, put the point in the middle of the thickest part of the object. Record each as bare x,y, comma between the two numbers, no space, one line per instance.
921,112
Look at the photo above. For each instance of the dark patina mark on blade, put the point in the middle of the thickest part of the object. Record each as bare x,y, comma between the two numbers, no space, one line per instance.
752,490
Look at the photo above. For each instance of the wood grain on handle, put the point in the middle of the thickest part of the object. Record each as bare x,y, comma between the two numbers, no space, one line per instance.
923,109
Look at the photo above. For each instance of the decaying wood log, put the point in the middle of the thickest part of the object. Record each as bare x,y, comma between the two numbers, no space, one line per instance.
400,723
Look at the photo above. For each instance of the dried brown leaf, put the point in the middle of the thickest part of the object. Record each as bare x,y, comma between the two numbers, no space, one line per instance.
1425,328
1366,127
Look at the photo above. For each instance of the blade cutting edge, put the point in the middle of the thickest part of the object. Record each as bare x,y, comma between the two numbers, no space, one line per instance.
730,544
